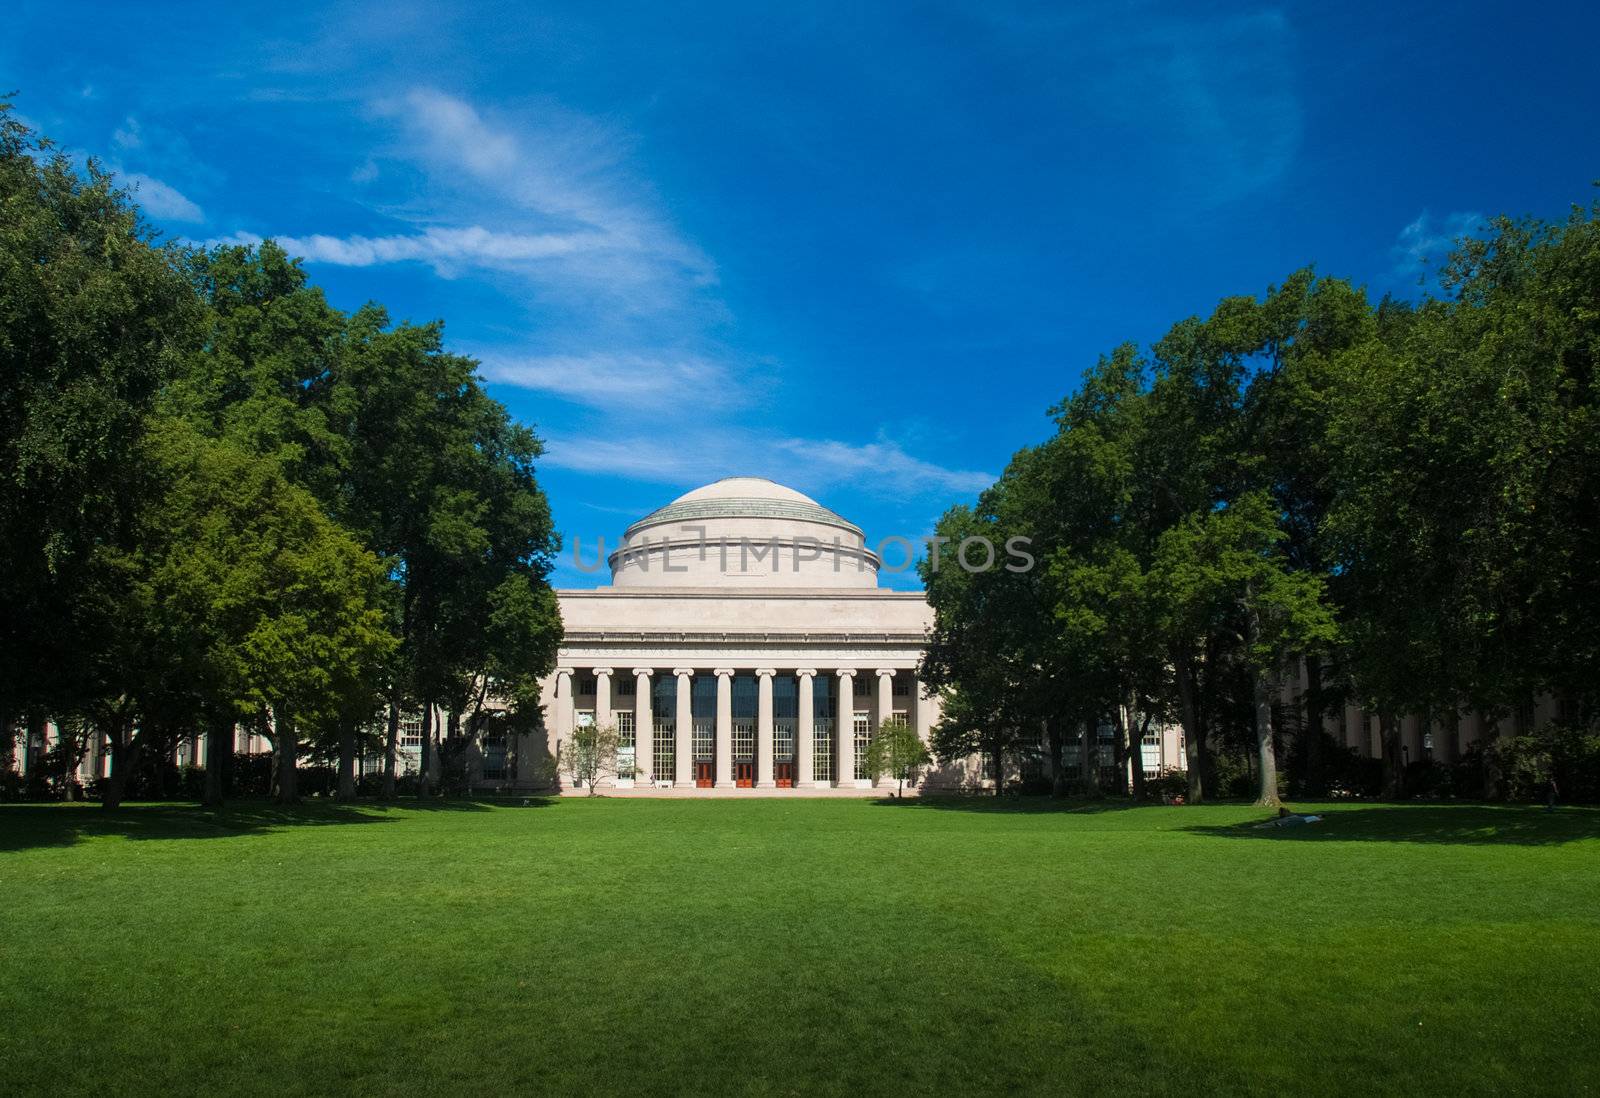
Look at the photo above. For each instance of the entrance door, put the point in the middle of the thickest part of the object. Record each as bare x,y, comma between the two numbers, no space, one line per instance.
783,774
744,774
703,776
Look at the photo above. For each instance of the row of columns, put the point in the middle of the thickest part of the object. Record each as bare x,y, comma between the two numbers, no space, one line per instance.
805,761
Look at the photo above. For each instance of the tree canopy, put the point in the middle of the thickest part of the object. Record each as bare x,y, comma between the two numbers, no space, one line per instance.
224,500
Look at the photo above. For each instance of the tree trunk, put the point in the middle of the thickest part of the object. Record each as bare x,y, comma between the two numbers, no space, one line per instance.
8,739
391,739
288,743
423,789
1138,757
219,756
1088,747
1193,734
1266,762
1119,750
125,751
32,745
1058,772
452,737
1394,780
347,760
999,771
1315,708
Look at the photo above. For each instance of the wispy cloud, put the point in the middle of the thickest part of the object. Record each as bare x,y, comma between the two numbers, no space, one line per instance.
161,200
1422,247
696,455
619,380
556,165
845,462
447,251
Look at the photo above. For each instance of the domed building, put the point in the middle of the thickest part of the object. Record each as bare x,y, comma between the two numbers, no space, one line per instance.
742,643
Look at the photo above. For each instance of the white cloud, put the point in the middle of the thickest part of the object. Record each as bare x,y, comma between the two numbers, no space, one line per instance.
446,250
698,455
842,461
619,380
128,135
547,194
556,165
1423,245
161,200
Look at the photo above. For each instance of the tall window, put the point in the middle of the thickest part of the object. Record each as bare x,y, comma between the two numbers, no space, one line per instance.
585,686
664,708
863,730
627,752
744,740
411,730
625,686
902,686
785,716
704,744
494,758
822,749
703,708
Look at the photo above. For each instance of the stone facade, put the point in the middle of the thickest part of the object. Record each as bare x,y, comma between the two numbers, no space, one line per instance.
743,644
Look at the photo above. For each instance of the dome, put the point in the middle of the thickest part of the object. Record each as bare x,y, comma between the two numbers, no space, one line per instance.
744,497
743,531
746,488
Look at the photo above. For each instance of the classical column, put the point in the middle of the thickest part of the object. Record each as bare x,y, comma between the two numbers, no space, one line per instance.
684,779
885,694
764,729
563,706
885,699
602,697
644,728
844,731
560,718
804,734
724,727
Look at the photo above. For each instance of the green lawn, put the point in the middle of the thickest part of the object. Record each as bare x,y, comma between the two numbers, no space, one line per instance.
797,946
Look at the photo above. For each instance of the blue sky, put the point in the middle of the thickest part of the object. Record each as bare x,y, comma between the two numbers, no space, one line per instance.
858,248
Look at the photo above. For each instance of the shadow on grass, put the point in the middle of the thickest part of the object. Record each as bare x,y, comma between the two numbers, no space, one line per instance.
1458,824
23,826
988,802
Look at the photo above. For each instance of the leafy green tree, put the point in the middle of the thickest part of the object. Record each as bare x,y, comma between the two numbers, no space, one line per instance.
1223,572
896,751
253,598
589,754
93,318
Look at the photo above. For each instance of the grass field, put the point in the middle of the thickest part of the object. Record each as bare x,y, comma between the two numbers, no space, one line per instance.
796,946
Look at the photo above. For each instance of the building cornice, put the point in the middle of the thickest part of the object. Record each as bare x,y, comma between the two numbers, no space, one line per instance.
810,594
620,636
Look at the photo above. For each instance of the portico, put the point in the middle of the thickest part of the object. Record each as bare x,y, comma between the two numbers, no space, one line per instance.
745,673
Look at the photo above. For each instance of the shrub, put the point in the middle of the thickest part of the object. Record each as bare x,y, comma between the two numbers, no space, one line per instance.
1169,788
1036,785
1564,754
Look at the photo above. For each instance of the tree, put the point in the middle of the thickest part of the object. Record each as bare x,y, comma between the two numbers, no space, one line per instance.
896,751
589,753
256,604
1223,573
94,317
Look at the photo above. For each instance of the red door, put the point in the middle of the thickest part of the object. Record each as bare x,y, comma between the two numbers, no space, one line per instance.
784,774
745,775
702,775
